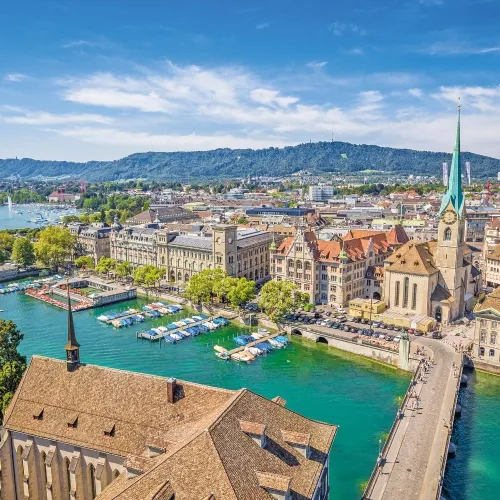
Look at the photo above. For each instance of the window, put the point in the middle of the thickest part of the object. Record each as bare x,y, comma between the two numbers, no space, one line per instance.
482,334
307,287
324,296
492,352
396,299
447,234
368,282
405,291
67,465
93,491
324,276
414,297
493,338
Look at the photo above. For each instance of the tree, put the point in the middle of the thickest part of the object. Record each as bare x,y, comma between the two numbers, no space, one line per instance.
201,286
105,265
281,297
54,246
242,220
243,291
6,241
12,363
23,252
85,262
148,276
123,269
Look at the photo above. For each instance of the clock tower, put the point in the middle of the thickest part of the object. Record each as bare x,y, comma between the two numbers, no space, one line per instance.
451,235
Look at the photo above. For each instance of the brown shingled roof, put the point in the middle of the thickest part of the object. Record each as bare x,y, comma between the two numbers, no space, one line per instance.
414,258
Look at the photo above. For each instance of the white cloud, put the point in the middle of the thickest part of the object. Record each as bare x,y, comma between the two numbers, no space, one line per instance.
77,43
165,142
15,77
415,92
339,29
457,47
356,51
191,107
24,117
262,26
271,97
316,65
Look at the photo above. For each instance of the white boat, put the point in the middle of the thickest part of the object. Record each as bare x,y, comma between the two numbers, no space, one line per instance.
179,323
209,325
254,350
189,320
275,343
263,330
162,329
175,336
187,334
102,317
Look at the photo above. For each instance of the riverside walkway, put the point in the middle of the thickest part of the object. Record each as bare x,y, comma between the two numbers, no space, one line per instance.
413,460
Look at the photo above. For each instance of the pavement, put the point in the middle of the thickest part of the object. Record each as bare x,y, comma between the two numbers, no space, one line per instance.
414,458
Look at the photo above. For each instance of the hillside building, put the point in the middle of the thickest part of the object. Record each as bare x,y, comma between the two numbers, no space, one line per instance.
91,239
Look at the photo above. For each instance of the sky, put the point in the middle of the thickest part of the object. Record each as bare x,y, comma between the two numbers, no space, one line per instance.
101,79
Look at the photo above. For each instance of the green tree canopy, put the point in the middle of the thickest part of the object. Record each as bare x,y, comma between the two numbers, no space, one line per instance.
281,297
12,363
243,291
6,241
105,265
123,269
85,262
201,286
54,246
23,252
148,276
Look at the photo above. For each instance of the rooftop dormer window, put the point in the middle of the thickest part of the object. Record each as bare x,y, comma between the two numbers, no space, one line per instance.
109,431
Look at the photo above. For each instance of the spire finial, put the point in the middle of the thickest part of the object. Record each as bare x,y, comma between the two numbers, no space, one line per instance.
72,347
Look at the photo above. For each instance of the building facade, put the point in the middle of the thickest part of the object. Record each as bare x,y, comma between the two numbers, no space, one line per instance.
321,192
79,431
486,348
334,272
436,279
136,245
241,253
92,240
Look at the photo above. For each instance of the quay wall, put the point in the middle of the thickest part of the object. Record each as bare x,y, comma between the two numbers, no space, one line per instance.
378,354
486,367
19,275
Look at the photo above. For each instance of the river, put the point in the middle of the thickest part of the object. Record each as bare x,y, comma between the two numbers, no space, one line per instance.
322,383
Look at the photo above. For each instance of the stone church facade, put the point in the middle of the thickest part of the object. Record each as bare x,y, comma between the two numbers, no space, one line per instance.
436,279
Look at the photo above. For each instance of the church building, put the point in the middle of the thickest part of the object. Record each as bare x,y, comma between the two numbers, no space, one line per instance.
75,431
436,279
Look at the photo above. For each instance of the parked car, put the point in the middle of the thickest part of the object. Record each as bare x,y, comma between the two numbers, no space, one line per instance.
346,328
328,313
418,333
437,335
397,339
376,324
352,330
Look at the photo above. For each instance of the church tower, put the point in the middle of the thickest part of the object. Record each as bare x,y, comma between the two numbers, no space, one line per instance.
451,234
72,347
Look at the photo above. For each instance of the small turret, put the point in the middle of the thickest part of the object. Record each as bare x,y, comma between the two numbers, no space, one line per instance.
72,347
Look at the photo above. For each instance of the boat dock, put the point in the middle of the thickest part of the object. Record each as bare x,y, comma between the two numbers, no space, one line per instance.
148,336
231,352
45,296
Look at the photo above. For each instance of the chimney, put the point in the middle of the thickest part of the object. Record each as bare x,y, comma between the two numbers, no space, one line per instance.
299,441
171,385
254,430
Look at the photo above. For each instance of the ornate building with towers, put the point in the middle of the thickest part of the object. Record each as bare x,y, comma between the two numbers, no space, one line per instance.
436,278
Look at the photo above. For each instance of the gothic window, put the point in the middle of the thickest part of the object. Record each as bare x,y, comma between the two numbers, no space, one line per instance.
396,298
19,458
67,464
93,491
447,234
414,297
44,469
406,287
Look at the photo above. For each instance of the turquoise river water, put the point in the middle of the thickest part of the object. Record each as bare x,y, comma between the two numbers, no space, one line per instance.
322,383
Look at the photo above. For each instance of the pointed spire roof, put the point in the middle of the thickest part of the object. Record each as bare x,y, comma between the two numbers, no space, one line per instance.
72,344
454,193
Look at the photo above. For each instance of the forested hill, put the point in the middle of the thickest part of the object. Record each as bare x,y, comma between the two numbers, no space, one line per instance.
316,157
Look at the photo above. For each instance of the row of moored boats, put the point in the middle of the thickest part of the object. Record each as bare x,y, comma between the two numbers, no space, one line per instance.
187,327
131,316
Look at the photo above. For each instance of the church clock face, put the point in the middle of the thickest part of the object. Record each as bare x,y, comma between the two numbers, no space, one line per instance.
449,217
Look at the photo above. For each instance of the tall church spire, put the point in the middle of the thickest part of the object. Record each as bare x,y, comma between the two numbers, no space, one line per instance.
454,193
72,347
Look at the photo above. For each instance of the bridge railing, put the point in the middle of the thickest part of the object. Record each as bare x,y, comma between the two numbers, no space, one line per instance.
390,438
444,458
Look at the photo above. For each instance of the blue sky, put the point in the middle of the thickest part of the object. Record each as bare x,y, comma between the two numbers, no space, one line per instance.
83,80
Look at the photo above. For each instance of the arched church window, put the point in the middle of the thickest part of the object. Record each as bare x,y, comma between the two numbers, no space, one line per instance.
19,458
93,491
67,464
414,297
447,234
44,469
406,291
398,286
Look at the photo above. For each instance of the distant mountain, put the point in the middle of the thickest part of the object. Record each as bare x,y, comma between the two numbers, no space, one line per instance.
316,157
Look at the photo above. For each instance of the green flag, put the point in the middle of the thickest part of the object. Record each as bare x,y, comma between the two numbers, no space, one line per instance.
343,155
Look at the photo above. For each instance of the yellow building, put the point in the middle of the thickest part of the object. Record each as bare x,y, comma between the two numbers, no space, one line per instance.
366,308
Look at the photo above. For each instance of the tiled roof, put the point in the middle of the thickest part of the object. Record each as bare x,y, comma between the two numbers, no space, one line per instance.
414,258
207,454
